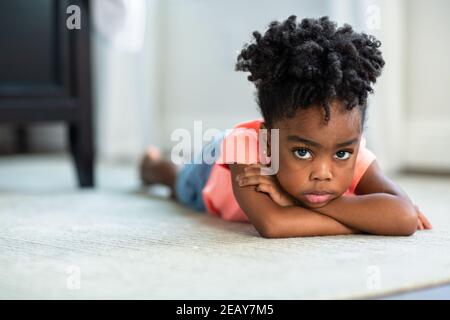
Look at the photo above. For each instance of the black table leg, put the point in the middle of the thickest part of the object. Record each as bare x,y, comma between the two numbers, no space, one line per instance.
81,148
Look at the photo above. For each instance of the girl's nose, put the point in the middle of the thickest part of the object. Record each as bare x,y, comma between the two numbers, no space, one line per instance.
322,172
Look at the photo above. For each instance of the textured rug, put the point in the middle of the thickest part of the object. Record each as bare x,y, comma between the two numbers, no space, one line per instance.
118,242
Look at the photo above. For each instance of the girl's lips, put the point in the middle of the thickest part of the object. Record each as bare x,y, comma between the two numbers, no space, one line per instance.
318,198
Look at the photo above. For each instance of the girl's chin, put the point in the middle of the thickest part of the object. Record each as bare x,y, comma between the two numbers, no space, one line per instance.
316,205
307,204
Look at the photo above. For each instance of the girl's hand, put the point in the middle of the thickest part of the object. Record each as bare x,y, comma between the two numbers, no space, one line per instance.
265,183
423,223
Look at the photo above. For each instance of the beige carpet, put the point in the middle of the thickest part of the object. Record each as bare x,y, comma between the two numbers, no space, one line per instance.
115,242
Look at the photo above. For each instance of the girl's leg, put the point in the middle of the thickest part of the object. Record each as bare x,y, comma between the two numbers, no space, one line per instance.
193,177
187,182
154,169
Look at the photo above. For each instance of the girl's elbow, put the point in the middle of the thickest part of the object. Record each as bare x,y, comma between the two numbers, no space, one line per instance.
267,235
408,221
407,230
409,226
269,231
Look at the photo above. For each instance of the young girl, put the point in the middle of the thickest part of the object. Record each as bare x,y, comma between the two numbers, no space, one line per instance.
312,82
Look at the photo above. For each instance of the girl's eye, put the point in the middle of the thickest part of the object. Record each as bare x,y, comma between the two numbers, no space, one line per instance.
302,154
343,155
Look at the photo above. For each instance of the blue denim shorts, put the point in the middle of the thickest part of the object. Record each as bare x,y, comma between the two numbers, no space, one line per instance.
192,177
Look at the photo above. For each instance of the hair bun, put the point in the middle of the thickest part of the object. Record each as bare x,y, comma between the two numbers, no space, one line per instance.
307,51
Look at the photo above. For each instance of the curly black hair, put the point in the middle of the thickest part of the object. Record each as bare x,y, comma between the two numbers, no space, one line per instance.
298,65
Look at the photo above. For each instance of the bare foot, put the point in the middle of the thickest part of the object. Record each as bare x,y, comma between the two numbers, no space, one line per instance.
154,169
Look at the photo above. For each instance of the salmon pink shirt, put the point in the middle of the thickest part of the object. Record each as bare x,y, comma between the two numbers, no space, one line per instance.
218,191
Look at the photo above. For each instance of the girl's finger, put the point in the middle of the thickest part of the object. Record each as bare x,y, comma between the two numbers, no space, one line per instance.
425,221
245,175
265,188
269,189
250,172
422,225
253,180
419,225
252,166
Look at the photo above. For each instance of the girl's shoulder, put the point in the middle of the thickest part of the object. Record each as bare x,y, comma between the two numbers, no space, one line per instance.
251,124
364,159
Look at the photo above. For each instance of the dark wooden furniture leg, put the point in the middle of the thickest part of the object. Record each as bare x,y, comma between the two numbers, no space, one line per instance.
81,140
81,149
21,143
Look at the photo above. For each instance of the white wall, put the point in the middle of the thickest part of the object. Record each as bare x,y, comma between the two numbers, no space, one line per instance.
202,43
409,121
428,86
202,40
186,73
386,123
126,93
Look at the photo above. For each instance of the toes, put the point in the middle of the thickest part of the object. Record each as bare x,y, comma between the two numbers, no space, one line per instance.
151,158
153,154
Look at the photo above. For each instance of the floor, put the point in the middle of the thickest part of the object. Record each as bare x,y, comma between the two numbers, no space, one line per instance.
121,242
433,293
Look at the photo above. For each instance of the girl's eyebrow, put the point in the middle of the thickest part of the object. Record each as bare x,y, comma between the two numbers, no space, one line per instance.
295,138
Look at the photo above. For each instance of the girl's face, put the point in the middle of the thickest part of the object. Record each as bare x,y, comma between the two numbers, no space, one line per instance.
317,159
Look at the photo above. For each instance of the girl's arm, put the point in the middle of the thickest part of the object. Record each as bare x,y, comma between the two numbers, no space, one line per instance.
376,182
274,221
377,213
379,207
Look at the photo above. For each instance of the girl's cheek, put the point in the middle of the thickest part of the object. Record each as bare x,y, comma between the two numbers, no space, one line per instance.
290,181
287,163
345,178
291,173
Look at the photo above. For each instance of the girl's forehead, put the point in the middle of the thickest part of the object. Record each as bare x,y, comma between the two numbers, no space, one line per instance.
311,123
